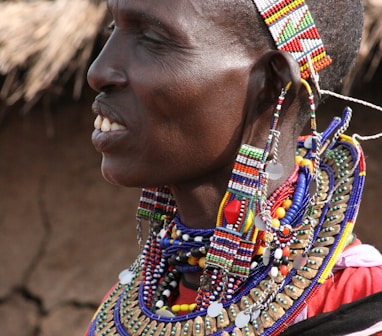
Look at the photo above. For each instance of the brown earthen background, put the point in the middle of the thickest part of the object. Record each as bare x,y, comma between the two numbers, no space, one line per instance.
65,233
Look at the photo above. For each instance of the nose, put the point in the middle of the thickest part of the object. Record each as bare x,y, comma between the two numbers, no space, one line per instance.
109,69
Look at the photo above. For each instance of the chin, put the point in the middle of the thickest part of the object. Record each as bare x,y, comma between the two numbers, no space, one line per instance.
125,175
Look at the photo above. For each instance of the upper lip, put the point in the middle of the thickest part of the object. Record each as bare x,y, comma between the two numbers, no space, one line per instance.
105,111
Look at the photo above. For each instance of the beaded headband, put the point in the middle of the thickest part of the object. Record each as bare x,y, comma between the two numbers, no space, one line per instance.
293,30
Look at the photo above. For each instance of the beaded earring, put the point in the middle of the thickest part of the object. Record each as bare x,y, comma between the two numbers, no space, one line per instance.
157,206
242,226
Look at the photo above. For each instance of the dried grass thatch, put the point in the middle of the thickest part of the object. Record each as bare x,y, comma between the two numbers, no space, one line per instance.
43,43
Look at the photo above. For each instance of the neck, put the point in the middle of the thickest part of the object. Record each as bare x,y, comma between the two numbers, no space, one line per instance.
198,201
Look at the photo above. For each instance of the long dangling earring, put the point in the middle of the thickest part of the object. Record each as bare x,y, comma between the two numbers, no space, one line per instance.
156,206
235,243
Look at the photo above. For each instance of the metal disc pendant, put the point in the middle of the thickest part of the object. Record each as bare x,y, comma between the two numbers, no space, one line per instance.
242,319
267,256
125,277
308,143
260,224
255,315
214,309
300,261
313,188
164,313
274,170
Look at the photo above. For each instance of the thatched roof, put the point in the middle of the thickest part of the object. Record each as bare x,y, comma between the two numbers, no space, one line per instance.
43,43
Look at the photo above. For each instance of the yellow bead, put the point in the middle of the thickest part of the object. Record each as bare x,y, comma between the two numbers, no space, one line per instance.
280,212
299,159
269,237
260,251
307,163
185,307
275,223
202,262
249,221
173,233
287,204
192,306
175,308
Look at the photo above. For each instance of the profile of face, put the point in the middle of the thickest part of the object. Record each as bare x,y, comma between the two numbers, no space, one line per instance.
172,93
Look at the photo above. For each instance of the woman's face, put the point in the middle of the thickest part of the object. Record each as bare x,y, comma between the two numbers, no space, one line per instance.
173,81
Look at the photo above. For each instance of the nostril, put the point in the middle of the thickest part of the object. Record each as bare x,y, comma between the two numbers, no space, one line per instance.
107,88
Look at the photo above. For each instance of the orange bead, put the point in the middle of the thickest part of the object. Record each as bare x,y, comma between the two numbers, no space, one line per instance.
202,262
193,261
286,231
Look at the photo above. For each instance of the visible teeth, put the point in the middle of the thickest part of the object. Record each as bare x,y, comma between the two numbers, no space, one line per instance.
98,122
105,125
117,127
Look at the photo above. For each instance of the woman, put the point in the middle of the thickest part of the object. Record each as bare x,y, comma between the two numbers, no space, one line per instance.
194,95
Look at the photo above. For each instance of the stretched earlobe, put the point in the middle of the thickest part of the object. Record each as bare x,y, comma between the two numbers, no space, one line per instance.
281,69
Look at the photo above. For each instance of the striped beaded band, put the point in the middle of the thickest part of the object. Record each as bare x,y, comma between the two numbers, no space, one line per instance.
293,30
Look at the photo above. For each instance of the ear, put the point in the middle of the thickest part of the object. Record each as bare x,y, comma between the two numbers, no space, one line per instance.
270,74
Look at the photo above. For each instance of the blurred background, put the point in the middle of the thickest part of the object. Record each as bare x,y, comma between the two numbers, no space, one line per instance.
65,233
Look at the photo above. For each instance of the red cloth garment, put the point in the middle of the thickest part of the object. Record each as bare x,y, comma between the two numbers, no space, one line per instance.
349,283
345,286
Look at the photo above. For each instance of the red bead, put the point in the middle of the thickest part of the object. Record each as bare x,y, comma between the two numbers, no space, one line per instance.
286,251
232,211
284,270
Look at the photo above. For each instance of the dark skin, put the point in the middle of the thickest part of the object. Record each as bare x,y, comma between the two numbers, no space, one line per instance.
187,94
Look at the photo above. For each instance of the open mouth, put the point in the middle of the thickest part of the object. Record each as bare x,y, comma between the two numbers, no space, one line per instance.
105,125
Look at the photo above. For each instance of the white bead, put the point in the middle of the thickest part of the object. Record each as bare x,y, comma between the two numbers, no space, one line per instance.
162,233
173,284
254,265
186,237
198,239
159,304
274,272
166,292
278,253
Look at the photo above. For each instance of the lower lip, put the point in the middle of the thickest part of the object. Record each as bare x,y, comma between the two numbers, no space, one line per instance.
106,141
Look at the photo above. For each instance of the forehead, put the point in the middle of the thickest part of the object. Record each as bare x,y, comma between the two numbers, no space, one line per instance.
164,10
184,15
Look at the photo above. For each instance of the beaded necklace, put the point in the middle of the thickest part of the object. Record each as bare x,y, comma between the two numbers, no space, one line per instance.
264,303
